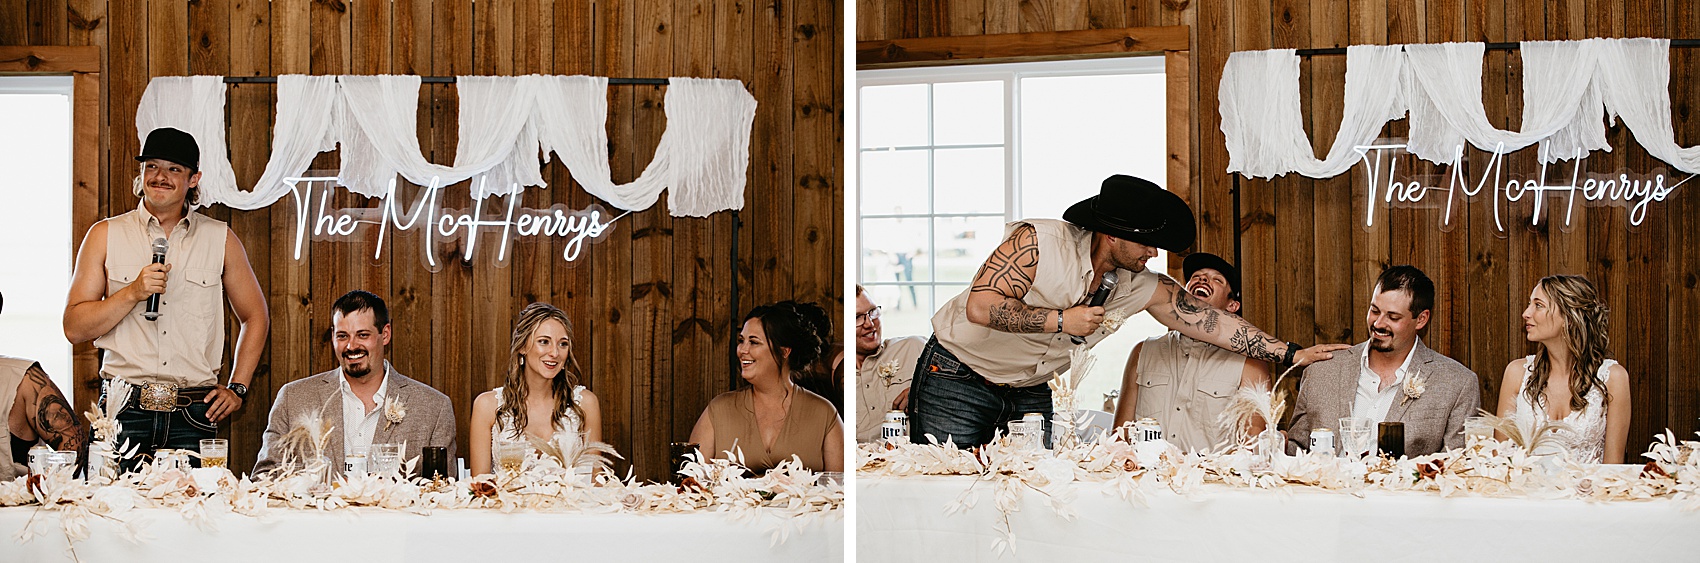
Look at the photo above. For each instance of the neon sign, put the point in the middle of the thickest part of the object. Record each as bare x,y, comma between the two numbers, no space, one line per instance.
1614,189
313,220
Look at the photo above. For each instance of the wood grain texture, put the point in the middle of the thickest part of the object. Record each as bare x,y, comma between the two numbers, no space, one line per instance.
905,51
1483,274
655,363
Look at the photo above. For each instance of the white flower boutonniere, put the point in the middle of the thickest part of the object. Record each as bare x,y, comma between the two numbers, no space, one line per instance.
394,411
1414,387
888,370
1112,321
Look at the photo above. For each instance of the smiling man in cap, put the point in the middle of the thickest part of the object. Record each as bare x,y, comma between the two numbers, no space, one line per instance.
161,374
997,345
1184,383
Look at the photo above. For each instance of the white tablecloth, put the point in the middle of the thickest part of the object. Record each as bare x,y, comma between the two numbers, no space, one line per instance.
904,519
461,536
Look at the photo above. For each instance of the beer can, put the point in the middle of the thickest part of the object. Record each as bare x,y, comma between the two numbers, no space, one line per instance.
1322,441
1148,429
896,425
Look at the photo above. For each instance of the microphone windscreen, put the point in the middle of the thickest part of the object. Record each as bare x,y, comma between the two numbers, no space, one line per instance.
159,246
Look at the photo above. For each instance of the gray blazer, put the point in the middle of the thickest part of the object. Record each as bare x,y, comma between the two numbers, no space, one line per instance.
430,419
1433,422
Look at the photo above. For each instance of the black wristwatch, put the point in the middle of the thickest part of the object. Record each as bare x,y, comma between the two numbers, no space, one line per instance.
1292,349
238,388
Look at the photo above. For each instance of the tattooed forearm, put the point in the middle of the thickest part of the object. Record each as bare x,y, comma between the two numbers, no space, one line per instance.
1012,315
1250,342
53,419
1007,271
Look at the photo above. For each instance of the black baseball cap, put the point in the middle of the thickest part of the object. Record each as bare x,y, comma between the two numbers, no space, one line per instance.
173,145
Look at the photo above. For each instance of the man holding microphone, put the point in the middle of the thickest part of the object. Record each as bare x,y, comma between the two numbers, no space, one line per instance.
162,359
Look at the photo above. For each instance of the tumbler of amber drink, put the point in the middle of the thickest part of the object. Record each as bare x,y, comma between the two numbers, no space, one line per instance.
215,452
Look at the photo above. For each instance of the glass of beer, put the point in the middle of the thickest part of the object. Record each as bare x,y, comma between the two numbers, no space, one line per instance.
510,455
215,452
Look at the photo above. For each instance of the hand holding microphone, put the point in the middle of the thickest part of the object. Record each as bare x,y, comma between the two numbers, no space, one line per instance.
152,279
1094,308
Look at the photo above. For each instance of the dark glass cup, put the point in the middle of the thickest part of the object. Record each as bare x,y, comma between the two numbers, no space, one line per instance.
434,462
1391,439
676,452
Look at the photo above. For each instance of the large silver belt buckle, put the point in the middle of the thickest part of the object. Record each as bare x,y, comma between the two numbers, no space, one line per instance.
158,397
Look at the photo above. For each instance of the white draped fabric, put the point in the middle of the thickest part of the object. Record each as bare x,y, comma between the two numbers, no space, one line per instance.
506,125
1568,88
194,105
1264,124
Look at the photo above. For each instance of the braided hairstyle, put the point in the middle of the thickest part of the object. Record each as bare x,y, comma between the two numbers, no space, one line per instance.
789,325
1586,326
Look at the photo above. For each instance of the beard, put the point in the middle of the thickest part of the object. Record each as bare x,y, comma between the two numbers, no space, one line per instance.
357,371
1380,343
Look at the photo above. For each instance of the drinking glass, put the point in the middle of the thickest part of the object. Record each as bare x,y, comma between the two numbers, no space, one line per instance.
1024,435
57,461
385,458
215,452
510,455
1357,436
354,462
1476,429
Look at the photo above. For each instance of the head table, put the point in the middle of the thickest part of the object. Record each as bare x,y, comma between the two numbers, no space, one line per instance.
374,535
904,518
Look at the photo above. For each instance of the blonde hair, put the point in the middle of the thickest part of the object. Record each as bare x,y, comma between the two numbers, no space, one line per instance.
514,389
1586,334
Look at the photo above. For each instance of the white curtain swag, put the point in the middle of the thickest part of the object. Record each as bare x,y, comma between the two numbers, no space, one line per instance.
507,123
1569,89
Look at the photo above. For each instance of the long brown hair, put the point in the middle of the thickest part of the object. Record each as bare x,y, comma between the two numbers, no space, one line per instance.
514,388
1585,333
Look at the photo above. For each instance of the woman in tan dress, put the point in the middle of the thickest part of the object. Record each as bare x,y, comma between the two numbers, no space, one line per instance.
773,419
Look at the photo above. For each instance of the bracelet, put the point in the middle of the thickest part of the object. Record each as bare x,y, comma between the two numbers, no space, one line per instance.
1292,349
1059,321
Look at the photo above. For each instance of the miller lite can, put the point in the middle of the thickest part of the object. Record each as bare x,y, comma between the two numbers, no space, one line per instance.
1147,429
1322,441
895,427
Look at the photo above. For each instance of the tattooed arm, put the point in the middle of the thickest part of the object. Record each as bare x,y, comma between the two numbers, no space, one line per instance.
1179,310
44,414
995,300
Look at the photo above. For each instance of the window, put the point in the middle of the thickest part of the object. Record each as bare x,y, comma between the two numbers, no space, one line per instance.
38,211
947,155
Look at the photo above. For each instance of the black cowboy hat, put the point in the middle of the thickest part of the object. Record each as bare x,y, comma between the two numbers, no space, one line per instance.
1201,260
170,144
1133,209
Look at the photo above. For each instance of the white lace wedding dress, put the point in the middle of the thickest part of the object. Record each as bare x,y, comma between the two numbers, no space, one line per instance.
570,424
1586,439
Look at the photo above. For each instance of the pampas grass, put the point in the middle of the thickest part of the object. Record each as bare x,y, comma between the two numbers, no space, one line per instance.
1544,435
1249,404
592,457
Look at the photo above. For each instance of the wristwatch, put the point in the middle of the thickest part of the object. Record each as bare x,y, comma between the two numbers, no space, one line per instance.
238,388
1292,349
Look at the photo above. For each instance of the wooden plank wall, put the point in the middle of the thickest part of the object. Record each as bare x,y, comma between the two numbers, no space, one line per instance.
1309,263
652,306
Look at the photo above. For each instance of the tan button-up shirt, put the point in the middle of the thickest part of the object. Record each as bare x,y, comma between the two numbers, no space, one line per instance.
1184,384
185,346
881,378
1065,267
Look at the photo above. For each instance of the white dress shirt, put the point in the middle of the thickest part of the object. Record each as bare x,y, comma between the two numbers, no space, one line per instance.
1372,401
358,426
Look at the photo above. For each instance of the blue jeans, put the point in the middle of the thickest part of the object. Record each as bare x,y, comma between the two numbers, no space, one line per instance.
948,400
182,429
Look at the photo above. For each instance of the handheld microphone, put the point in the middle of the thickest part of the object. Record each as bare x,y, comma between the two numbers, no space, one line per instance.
159,246
1098,299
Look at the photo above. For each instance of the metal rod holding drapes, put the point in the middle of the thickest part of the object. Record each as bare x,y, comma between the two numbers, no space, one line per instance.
1490,47
446,80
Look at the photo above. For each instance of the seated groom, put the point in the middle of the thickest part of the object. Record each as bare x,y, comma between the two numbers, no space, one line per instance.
358,401
1393,377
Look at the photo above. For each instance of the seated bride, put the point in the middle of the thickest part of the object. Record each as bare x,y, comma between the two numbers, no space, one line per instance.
540,359
1590,393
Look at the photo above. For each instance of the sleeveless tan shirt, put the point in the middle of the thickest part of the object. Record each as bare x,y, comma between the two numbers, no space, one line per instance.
1065,266
1184,384
186,345
734,417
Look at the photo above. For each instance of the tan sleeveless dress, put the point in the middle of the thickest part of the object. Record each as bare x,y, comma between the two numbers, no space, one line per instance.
806,426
